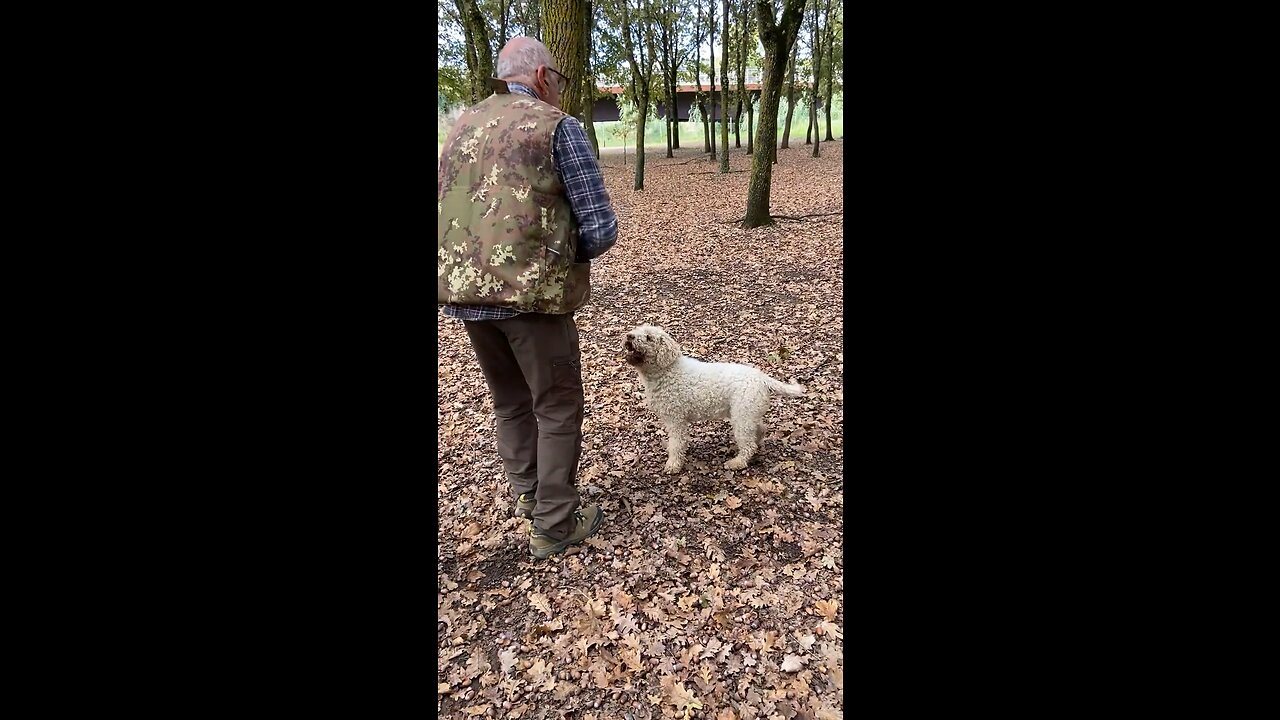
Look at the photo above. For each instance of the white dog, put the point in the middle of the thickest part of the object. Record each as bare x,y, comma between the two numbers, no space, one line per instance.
682,391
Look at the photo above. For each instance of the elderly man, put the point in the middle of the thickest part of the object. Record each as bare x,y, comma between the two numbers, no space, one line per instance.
523,210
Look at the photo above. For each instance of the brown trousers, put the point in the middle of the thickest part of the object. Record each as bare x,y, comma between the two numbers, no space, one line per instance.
533,367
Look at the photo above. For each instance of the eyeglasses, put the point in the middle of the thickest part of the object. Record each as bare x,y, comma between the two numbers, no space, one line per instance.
562,83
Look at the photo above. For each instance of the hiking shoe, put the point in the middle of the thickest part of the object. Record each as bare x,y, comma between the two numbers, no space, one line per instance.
525,503
588,519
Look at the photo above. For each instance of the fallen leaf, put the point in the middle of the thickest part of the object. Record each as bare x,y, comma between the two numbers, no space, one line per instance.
508,660
541,602
827,609
682,698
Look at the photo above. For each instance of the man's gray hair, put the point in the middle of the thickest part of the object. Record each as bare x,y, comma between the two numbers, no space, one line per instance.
524,60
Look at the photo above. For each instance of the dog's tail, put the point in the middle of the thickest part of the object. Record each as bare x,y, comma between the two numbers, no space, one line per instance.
783,388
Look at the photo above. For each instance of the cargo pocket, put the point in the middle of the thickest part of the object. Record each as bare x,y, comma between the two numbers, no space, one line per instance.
566,373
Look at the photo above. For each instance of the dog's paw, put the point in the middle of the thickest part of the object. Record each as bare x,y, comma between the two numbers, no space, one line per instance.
672,468
735,464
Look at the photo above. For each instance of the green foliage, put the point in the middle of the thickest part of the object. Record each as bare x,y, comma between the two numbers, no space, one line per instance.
628,114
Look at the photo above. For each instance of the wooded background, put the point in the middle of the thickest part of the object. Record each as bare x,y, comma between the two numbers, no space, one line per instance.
649,48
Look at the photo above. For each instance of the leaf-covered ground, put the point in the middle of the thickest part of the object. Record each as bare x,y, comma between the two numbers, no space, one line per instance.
709,594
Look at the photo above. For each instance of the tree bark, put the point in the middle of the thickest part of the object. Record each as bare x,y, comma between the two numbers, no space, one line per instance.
479,52
640,54
668,71
711,17
737,94
565,24
724,90
675,95
671,14
504,7
742,75
589,90
697,79
777,38
831,66
817,71
791,97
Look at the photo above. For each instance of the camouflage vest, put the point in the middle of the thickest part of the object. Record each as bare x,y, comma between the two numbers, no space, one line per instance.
507,237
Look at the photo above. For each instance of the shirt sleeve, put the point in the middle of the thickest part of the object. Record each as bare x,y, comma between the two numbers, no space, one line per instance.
584,184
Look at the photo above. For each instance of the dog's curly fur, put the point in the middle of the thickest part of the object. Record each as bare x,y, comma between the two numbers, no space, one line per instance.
681,391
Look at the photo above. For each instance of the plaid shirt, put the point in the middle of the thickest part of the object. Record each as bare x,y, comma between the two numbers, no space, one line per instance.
575,162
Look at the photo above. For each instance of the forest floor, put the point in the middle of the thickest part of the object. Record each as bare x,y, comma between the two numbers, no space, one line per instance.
708,594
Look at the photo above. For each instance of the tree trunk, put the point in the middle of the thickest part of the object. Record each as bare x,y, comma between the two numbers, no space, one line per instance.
724,90
817,70
504,7
791,97
668,69
827,102
479,52
589,90
591,134
671,18
831,66
641,118
711,16
777,38
737,122
741,77
641,66
707,123
666,121
675,118
565,24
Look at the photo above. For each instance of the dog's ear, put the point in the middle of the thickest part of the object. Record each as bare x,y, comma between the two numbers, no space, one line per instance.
668,351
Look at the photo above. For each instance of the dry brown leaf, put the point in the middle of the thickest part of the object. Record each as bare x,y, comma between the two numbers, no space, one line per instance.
682,698
792,663
682,564
827,609
508,660
541,602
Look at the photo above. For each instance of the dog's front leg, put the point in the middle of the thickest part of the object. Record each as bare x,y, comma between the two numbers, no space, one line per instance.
677,443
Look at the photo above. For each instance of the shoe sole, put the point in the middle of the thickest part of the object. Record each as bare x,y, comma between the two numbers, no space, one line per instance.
563,545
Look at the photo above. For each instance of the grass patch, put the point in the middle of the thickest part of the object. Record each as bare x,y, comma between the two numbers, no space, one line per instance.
610,134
